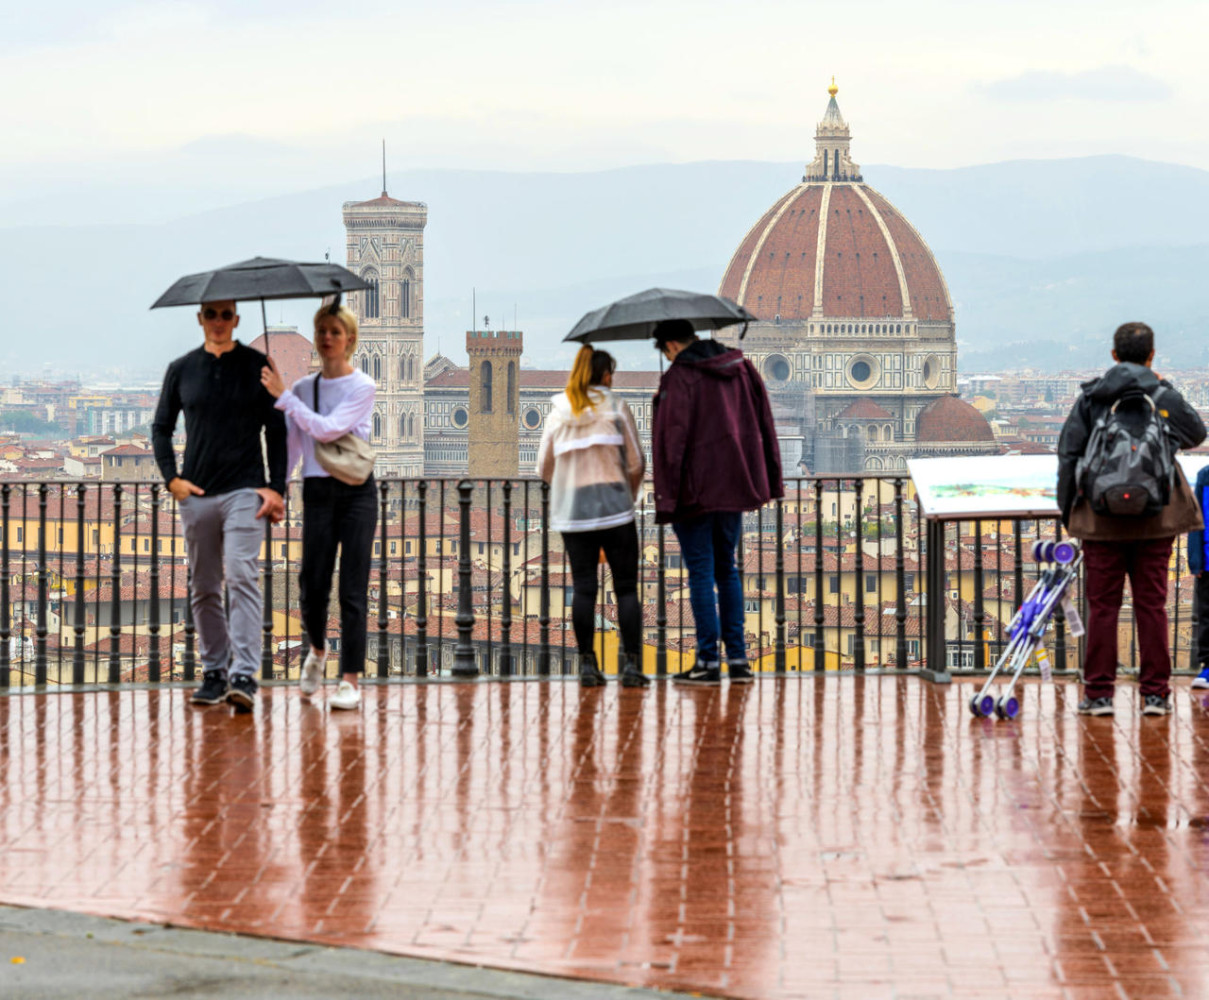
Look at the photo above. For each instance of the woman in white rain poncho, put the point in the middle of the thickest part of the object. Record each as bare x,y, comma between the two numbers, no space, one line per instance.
592,459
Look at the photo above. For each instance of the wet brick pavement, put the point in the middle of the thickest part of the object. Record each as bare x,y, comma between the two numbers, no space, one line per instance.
837,837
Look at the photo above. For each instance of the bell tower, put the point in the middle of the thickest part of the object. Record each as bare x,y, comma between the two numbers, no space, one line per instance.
493,433
385,245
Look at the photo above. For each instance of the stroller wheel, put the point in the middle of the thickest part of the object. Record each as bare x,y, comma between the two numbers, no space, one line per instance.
982,706
1007,708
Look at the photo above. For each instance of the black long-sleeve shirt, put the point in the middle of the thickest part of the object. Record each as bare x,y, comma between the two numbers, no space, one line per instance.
225,407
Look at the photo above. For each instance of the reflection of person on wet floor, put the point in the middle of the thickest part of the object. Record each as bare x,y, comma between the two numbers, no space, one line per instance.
591,457
325,406
1115,547
715,456
222,491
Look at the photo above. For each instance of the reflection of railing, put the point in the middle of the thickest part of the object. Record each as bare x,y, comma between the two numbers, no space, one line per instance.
468,579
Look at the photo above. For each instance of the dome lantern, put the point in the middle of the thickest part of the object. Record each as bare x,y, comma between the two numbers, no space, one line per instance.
832,159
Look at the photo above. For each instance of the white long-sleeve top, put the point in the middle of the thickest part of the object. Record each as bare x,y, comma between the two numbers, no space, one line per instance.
345,407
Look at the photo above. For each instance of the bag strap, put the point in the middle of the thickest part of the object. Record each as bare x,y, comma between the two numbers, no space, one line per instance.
315,394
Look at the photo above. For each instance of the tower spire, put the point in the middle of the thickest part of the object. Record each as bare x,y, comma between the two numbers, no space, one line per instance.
832,159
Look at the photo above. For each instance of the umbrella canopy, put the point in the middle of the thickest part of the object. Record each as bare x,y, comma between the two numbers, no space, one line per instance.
635,317
261,278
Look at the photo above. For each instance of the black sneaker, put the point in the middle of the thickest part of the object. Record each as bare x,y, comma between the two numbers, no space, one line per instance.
1156,705
1095,706
589,673
740,673
213,690
699,675
632,675
243,692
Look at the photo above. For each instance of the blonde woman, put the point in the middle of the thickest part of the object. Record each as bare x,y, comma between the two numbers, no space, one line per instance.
335,401
591,457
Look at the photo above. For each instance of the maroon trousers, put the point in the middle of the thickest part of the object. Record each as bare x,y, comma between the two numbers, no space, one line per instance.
1106,564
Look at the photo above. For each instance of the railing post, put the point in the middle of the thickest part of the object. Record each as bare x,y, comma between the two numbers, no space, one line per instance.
900,604
980,660
661,606
189,661
464,664
383,620
543,617
506,612
1060,619
77,661
43,586
422,583
115,595
820,645
6,615
936,669
858,652
266,643
153,608
779,609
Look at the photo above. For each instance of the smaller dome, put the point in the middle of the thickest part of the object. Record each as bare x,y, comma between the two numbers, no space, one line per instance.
864,409
951,420
293,354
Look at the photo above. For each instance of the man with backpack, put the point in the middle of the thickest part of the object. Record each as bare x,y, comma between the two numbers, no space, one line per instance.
1121,491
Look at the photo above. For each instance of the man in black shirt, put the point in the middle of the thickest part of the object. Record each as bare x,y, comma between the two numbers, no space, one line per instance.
222,493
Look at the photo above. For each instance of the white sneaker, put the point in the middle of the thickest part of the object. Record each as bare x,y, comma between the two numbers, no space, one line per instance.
346,696
313,669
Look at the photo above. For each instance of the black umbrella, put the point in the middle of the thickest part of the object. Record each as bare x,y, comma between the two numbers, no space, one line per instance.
261,278
635,317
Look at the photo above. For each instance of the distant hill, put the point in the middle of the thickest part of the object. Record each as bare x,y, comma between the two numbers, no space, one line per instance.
1047,253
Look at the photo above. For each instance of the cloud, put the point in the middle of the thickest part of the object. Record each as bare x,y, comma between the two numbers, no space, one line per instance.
1105,83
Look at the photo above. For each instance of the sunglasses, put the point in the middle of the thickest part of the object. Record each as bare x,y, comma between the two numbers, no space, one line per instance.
227,314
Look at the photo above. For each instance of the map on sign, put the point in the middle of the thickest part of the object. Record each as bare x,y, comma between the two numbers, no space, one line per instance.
998,485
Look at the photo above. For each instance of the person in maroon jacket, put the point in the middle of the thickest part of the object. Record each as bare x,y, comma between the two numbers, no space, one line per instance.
715,456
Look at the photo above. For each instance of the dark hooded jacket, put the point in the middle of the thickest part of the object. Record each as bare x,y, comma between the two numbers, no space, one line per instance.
1094,401
715,447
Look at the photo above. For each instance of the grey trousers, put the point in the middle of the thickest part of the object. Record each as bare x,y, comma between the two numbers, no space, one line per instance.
223,538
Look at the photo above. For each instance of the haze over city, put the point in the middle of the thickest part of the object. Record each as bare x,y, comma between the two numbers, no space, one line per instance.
572,154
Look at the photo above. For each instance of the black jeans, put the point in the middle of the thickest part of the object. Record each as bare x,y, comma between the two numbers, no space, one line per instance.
336,514
620,546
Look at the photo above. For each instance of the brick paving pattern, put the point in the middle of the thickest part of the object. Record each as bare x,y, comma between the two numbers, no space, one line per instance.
839,837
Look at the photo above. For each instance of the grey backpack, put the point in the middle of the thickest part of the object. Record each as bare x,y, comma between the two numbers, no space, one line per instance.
1128,468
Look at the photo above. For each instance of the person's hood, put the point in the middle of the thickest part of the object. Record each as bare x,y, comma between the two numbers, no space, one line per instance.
562,407
1121,378
713,358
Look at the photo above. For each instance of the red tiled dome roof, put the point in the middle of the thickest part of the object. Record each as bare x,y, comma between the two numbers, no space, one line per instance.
864,409
291,352
873,260
950,419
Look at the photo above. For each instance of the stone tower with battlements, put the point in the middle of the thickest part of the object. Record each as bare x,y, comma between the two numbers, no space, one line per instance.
385,242
493,435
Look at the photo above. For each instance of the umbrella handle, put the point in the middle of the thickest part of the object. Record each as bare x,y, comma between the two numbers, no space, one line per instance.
743,332
264,320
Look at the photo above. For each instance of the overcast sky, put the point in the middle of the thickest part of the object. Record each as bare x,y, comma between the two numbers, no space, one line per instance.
256,96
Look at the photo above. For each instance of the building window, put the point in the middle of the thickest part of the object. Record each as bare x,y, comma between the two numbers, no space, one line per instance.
402,426
405,299
459,417
377,425
369,297
364,365
411,368
512,387
532,418
870,583
377,368
833,584
411,425
485,387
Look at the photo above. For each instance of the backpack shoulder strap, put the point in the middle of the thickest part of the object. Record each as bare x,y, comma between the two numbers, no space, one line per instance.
315,394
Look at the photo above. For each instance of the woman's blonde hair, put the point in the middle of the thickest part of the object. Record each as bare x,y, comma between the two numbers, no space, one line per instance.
590,368
347,319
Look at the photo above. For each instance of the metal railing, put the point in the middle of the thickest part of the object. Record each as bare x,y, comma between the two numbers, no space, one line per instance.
468,579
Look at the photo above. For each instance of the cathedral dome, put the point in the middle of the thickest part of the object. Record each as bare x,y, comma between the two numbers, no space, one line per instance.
834,248
949,420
